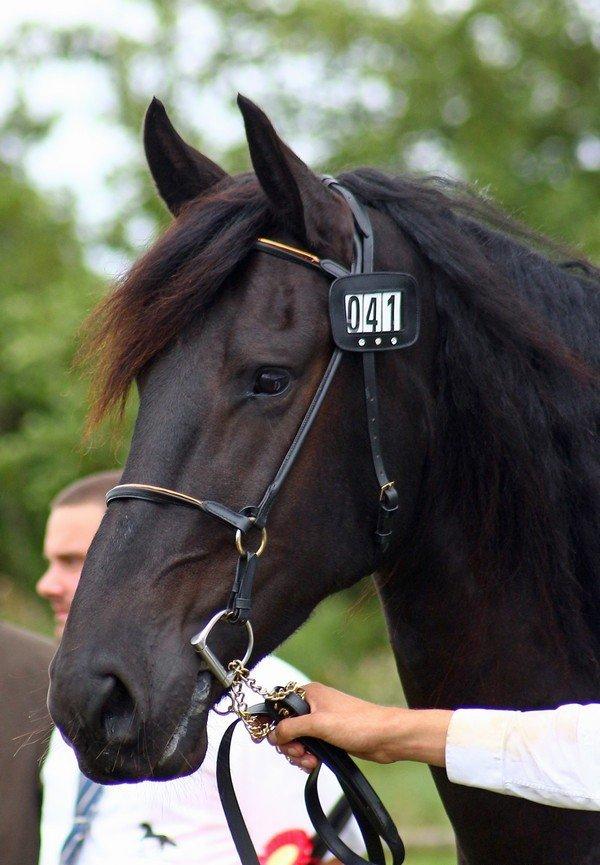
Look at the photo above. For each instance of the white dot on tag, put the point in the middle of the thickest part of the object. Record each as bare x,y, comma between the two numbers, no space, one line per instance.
378,341
361,341
393,340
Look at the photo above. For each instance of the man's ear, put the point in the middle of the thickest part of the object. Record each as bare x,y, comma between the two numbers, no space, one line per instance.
307,209
180,171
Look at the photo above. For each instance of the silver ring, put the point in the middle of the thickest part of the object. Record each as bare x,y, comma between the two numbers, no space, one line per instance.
200,643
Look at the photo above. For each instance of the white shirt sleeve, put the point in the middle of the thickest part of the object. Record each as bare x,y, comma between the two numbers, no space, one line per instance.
551,756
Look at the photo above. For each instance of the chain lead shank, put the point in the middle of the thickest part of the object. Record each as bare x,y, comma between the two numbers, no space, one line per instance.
259,726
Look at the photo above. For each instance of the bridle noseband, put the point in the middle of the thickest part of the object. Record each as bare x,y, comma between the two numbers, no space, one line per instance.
255,517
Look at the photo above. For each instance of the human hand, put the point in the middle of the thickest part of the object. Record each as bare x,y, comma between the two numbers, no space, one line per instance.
382,734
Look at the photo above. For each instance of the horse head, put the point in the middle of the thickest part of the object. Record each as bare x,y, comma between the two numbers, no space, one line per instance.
227,346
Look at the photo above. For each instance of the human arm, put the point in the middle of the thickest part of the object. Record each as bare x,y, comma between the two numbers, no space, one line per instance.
550,756
383,734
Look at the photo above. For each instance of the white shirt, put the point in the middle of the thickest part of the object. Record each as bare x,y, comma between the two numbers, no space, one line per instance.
552,756
187,810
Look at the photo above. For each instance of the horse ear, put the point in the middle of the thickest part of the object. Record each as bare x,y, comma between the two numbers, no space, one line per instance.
180,171
308,209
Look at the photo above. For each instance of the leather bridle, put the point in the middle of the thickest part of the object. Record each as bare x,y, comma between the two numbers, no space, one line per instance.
373,819
255,517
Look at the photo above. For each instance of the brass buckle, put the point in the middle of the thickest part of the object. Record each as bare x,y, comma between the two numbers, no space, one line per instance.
389,486
200,643
261,547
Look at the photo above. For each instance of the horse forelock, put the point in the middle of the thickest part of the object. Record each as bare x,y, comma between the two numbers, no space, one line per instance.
178,278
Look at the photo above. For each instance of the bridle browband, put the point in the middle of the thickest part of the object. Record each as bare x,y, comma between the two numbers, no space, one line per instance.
361,799
240,599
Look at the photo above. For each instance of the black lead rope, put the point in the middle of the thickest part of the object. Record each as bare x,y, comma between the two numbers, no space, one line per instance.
361,800
339,816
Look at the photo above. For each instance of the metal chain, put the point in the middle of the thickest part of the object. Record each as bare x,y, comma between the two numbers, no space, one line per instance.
258,729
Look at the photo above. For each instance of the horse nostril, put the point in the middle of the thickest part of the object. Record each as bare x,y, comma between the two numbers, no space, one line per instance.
118,712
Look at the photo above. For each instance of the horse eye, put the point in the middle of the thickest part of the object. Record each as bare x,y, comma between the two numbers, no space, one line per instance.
271,380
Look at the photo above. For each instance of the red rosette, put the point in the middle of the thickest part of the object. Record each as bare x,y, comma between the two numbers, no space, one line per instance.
292,847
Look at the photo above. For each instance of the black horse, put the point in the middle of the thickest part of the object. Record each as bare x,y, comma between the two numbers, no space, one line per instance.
490,420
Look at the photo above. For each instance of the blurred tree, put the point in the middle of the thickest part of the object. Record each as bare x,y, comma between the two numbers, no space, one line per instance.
45,291
501,93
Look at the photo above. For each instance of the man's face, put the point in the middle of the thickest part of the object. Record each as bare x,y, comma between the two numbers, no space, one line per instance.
69,533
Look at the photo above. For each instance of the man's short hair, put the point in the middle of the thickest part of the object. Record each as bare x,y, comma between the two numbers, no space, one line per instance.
89,490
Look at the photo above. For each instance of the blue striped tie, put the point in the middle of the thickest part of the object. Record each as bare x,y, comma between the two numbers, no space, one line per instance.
87,796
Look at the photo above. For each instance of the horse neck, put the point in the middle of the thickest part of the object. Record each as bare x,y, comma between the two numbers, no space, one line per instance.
475,637
460,641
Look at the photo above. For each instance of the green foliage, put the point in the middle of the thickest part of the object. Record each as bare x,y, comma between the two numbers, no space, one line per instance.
45,292
501,93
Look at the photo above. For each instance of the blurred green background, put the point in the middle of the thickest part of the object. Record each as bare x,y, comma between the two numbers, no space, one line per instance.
504,94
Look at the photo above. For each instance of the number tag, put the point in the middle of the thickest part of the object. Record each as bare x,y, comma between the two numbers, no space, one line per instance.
374,311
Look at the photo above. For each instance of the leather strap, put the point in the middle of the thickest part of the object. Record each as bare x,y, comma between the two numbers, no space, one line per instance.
388,495
373,820
161,495
363,263
240,599
287,253
338,817
262,511
372,406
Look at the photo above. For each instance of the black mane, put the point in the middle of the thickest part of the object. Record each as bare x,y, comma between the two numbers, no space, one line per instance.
515,472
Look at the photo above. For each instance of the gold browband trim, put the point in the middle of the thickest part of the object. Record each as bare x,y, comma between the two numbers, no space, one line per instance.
302,253
182,497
